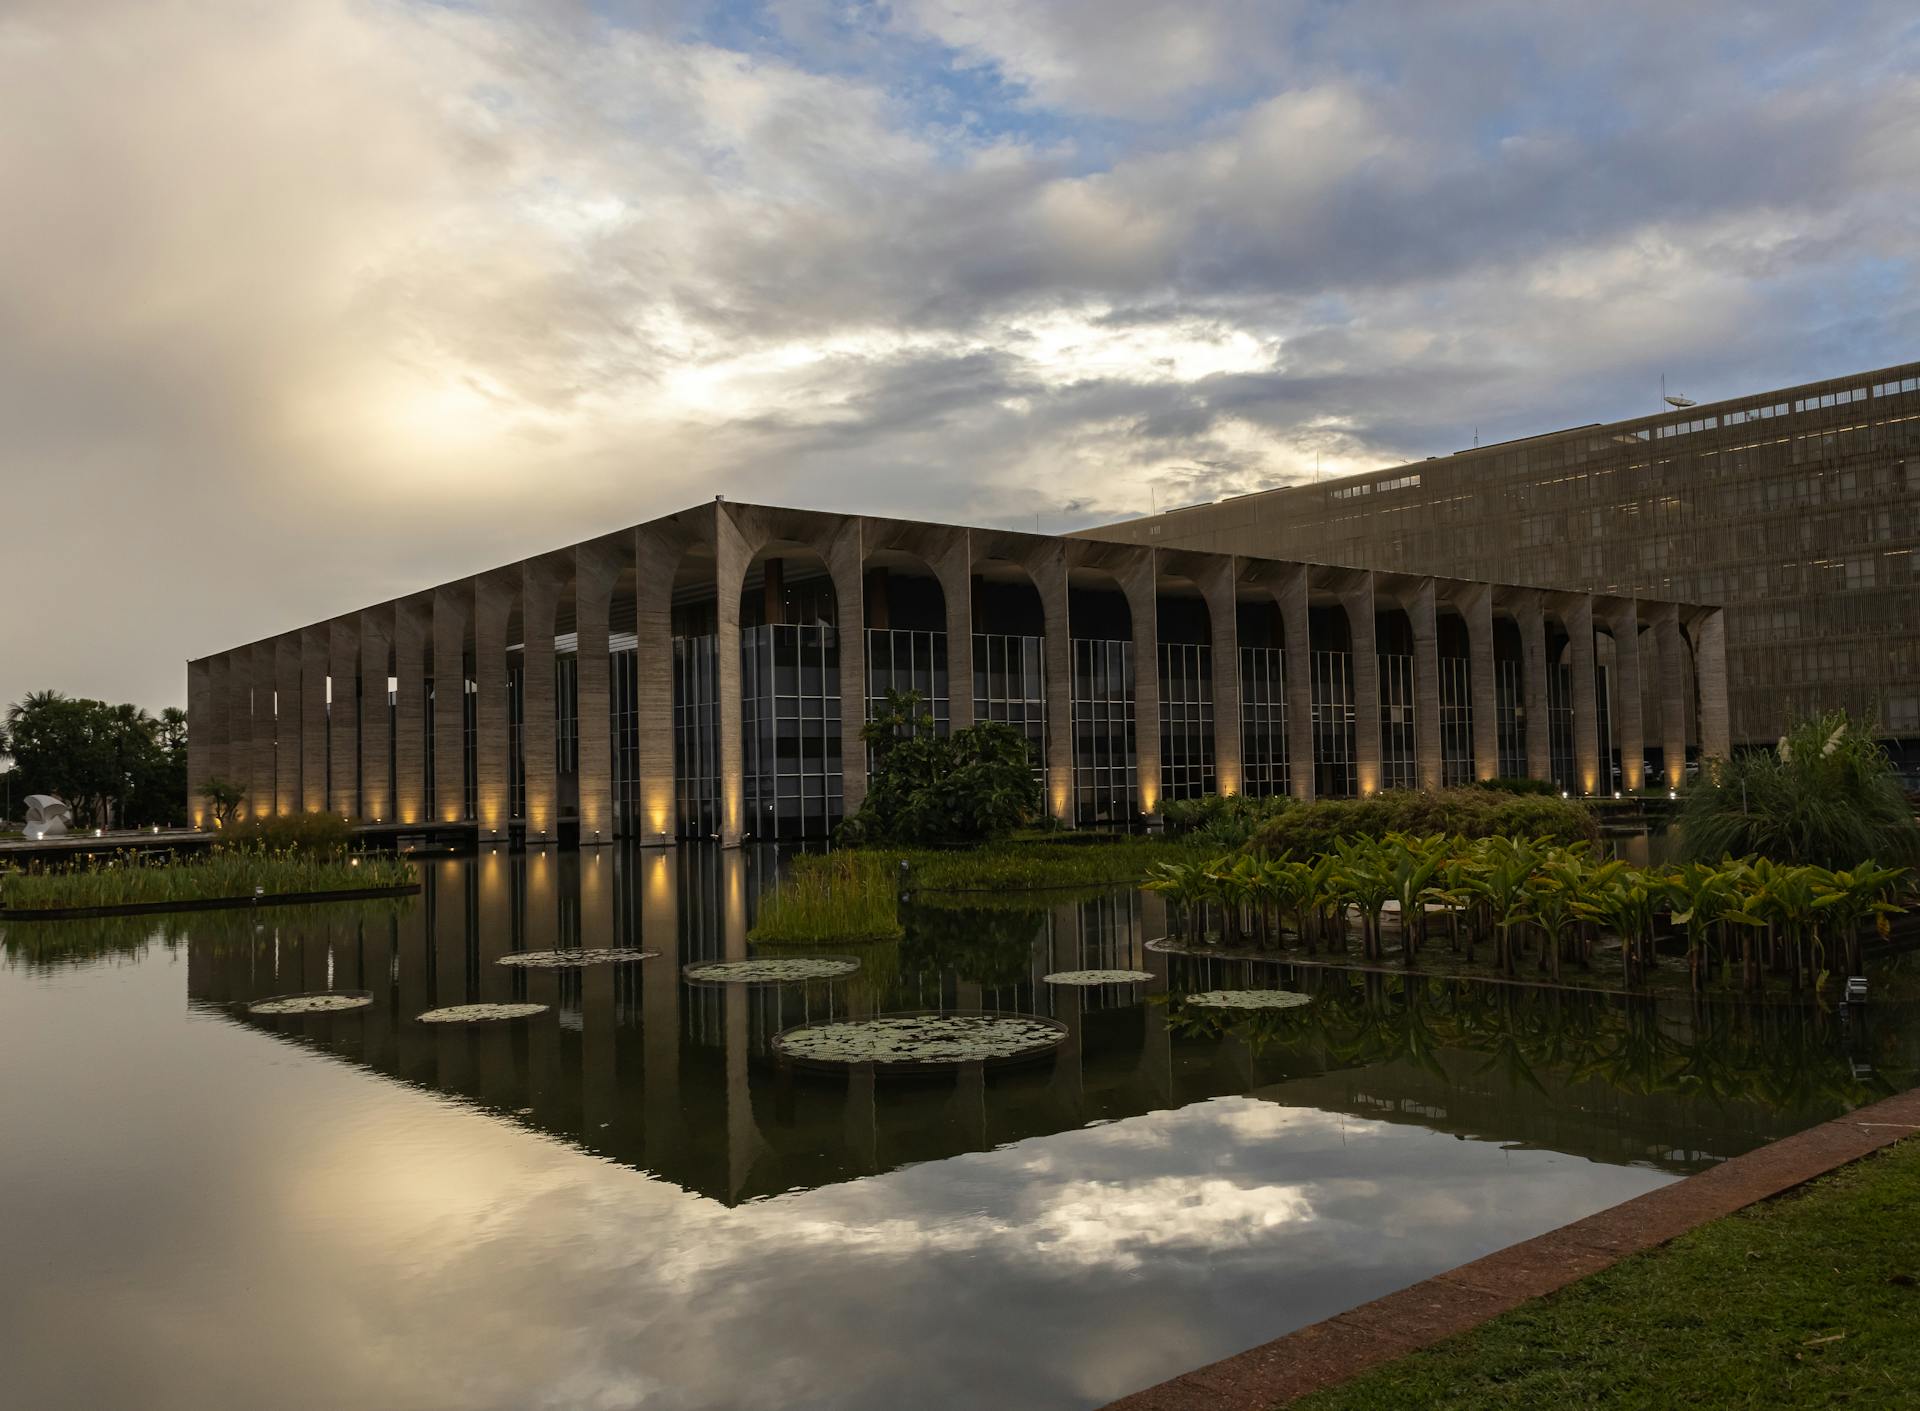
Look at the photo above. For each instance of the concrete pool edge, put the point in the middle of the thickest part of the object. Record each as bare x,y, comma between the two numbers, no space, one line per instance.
1329,1352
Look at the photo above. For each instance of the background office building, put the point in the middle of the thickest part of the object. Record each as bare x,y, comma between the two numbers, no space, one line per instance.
709,674
1798,510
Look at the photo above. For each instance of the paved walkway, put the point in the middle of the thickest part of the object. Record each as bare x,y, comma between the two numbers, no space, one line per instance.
1327,1353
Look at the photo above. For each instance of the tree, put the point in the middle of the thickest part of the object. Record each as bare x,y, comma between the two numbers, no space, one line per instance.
969,786
224,797
107,761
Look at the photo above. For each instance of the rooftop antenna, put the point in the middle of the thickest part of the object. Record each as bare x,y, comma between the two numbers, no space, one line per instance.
1674,401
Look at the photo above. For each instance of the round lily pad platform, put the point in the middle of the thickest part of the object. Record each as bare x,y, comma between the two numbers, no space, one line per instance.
314,1002
480,1013
1096,977
920,1042
565,959
1248,999
771,972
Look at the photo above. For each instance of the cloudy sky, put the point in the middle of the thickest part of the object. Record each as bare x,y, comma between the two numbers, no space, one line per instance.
307,303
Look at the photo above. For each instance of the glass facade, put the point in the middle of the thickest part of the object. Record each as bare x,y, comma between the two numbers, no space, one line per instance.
1560,728
516,738
1456,722
1263,722
790,722
696,736
1399,765
1510,713
1335,774
623,712
1106,770
901,660
1186,721
1010,686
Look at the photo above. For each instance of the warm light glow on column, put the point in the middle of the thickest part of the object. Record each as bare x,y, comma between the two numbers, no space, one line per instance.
1060,793
1149,796
730,790
1368,779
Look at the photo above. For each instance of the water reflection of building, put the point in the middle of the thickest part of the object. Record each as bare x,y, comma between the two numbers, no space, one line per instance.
709,674
674,1078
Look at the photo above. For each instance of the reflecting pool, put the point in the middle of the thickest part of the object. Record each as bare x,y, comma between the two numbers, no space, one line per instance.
626,1201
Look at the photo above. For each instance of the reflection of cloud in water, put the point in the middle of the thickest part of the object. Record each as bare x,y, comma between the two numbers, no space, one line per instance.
995,1275
249,1225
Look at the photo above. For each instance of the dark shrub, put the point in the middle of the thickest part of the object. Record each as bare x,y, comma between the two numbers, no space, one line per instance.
1310,829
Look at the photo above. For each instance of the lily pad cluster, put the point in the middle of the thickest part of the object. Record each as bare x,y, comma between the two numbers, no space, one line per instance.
917,1039
772,971
1096,977
479,1013
1249,999
563,959
318,1002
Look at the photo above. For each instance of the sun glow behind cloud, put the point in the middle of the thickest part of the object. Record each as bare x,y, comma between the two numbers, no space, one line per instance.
956,259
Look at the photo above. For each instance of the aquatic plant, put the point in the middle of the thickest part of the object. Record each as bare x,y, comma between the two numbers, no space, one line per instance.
1248,999
479,1013
577,956
316,1002
916,1039
786,971
1096,977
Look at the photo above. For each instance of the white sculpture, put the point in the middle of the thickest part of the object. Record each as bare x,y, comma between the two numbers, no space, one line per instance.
47,817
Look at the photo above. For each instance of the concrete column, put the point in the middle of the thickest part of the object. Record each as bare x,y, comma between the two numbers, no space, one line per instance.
1428,756
343,717
314,643
1476,606
287,754
240,725
539,594
452,616
1139,580
223,756
731,556
1357,599
1048,565
1710,678
666,1123
200,713
845,554
1217,582
1578,616
493,597
1629,729
410,623
656,558
263,787
1296,624
376,720
1673,692
953,566
1530,613
596,569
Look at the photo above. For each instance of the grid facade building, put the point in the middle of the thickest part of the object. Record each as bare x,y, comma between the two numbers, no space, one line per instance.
1798,510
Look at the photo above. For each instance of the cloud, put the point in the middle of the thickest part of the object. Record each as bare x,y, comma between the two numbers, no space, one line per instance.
312,304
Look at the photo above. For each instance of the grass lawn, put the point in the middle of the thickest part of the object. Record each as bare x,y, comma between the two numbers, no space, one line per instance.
1808,1300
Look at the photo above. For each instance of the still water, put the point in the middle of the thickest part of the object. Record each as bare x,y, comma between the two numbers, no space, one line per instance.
625,1202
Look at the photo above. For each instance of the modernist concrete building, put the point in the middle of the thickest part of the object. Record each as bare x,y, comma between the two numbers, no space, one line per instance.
1797,509
691,677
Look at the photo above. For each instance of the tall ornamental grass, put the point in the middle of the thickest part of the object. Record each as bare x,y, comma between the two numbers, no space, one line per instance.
844,896
137,879
1825,796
